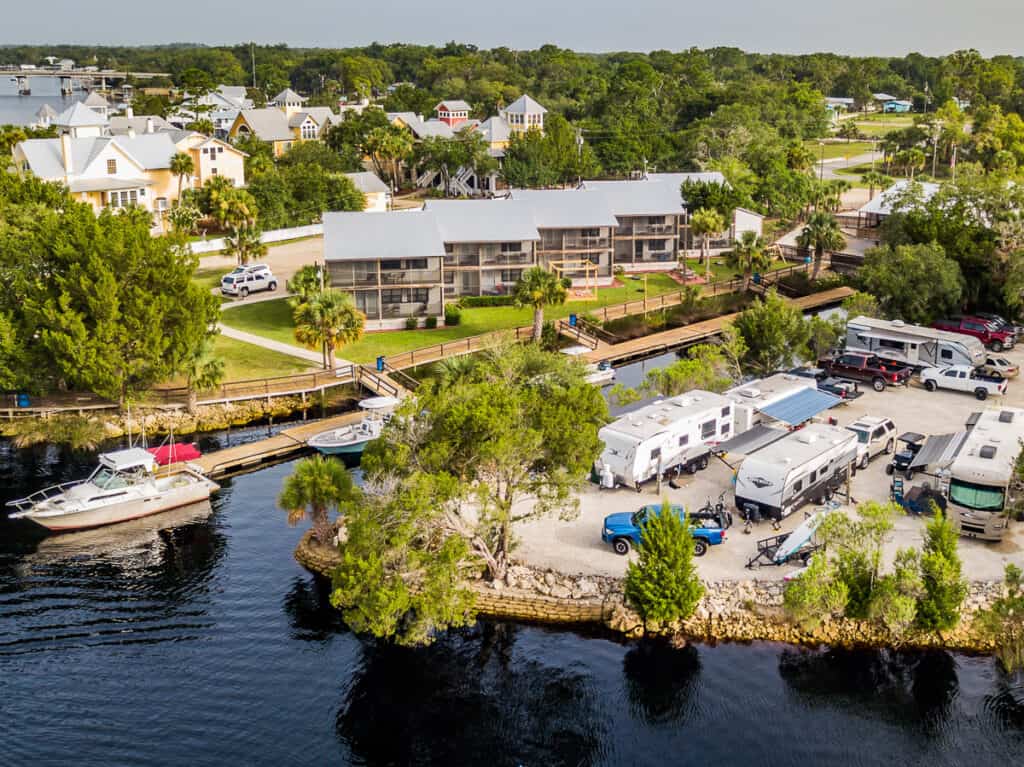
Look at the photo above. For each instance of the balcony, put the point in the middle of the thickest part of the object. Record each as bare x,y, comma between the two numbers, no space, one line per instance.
411,309
352,280
586,243
654,229
461,259
656,256
410,277
507,259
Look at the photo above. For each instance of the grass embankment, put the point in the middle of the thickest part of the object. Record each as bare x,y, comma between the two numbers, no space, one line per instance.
834,150
720,270
273,319
243,361
209,278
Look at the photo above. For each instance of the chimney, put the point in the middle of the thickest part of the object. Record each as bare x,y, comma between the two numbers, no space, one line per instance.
131,132
149,125
65,152
129,112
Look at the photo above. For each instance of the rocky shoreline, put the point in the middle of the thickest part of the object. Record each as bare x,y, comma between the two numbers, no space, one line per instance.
746,610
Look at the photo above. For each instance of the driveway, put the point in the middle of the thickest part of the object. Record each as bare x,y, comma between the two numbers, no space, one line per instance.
284,259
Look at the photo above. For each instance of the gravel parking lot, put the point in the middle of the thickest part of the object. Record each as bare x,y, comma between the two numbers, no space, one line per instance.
577,547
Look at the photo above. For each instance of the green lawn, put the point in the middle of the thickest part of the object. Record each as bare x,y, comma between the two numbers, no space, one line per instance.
243,361
209,278
273,319
722,271
840,149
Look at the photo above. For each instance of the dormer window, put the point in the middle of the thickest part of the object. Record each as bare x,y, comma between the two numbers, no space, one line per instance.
111,167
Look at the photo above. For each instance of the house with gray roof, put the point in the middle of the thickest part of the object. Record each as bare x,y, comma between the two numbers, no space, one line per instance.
524,113
376,192
452,111
79,121
284,124
45,116
97,103
132,125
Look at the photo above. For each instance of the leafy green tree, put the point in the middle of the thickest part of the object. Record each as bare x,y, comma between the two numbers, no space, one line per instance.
328,320
823,335
703,223
663,585
860,304
317,485
748,255
848,130
711,195
389,147
538,288
894,602
704,367
915,283
399,578
511,442
184,217
244,242
910,161
773,331
1002,622
821,234
944,585
181,166
817,595
312,153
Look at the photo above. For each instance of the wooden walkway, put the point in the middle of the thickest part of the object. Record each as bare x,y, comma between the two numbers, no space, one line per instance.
697,332
282,445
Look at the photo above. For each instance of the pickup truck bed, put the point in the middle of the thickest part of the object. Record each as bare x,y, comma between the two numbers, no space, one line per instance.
869,368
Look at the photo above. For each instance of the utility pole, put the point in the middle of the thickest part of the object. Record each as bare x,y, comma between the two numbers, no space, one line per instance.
252,54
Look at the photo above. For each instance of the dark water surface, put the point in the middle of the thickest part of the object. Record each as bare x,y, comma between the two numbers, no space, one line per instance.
195,639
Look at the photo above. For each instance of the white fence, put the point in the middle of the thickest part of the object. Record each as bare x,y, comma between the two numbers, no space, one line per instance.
203,247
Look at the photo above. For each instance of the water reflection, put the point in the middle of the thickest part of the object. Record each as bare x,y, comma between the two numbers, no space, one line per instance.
661,681
470,699
1006,705
914,688
309,610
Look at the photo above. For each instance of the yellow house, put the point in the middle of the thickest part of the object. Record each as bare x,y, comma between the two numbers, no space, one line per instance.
285,122
118,171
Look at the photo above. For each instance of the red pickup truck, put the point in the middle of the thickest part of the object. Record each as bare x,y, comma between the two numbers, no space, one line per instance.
866,367
989,333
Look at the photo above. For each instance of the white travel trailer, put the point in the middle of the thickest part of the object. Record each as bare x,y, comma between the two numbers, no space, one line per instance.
675,433
982,474
808,464
913,344
751,398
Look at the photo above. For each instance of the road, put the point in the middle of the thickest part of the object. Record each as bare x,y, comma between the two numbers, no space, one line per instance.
830,166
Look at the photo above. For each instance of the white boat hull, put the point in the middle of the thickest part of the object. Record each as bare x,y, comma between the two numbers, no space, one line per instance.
134,508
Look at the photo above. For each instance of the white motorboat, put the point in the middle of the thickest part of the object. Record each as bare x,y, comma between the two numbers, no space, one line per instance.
127,484
352,438
597,373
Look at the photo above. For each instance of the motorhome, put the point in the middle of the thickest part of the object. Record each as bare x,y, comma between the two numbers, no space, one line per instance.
982,474
674,433
808,464
914,345
750,398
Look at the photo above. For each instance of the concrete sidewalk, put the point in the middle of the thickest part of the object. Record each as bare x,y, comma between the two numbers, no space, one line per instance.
276,346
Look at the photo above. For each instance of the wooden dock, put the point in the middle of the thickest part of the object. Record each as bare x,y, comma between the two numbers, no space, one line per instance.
688,335
284,444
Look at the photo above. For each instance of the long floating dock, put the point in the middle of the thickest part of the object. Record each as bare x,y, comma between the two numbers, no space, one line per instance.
285,443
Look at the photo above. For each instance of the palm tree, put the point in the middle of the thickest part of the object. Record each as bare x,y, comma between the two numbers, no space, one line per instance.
748,254
537,287
304,283
703,223
821,233
245,242
328,319
181,166
875,179
317,485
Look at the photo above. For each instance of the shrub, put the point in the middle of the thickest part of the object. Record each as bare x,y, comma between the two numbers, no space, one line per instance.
663,584
411,323
431,322
944,586
549,337
816,595
1003,622
452,315
467,302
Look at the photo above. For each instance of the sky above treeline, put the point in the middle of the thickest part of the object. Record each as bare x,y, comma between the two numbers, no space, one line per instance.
860,27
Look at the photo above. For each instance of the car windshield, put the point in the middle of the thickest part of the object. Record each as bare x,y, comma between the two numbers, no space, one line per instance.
978,497
638,517
862,436
1000,362
229,280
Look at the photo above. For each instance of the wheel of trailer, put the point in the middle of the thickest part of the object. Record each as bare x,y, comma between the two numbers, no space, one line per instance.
702,463
621,546
864,462
890,446
692,467
878,384
700,548
981,394
997,346
930,385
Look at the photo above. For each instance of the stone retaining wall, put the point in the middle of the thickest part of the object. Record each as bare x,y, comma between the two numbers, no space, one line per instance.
730,610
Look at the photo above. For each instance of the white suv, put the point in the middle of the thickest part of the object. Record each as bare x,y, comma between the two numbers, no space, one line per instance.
243,280
874,437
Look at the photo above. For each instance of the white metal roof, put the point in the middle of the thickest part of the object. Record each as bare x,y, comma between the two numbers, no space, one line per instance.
882,205
371,236
368,182
639,198
452,105
650,420
78,115
483,220
524,105
269,123
567,209
122,460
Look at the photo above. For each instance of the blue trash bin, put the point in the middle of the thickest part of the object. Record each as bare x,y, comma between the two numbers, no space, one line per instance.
23,400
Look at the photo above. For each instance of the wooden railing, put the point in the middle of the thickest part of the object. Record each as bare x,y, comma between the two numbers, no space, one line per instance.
256,388
577,334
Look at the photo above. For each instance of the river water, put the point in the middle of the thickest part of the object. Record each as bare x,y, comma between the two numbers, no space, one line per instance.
194,638
21,110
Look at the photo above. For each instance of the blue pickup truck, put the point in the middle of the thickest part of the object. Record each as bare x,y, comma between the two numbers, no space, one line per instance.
623,530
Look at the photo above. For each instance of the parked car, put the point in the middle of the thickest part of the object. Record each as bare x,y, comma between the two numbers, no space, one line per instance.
963,378
244,280
909,444
875,436
835,386
624,530
999,367
987,332
856,366
1003,323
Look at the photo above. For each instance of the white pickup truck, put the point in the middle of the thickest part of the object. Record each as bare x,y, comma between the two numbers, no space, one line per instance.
962,378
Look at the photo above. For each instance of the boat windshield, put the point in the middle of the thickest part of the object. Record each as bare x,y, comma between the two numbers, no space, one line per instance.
977,497
108,479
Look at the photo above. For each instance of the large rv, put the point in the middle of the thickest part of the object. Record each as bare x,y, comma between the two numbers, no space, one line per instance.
914,345
808,464
675,432
982,474
750,398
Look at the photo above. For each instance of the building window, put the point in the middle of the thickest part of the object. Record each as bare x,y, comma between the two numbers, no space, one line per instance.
111,167
213,171
511,247
206,150
220,150
308,130
416,263
420,295
511,275
391,296
390,265
707,429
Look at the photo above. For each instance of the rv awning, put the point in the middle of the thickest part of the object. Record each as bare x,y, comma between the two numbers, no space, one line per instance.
939,450
751,440
801,406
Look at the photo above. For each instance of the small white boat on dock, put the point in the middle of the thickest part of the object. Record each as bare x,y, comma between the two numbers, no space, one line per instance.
352,438
597,373
127,484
